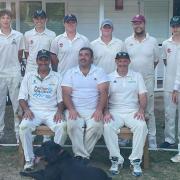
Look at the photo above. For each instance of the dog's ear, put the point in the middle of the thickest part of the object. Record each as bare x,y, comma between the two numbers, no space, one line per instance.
51,151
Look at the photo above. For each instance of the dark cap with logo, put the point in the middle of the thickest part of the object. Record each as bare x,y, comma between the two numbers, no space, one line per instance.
123,55
107,22
39,13
43,54
175,21
70,17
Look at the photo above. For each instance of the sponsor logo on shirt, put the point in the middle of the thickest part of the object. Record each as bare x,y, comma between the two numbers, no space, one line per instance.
42,92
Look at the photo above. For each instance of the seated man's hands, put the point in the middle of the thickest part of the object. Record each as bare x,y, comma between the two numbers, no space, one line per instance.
107,117
97,115
28,114
73,114
140,114
58,117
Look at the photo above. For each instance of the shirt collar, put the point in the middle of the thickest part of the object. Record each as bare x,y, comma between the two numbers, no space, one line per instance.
39,77
77,36
44,32
146,37
11,33
92,69
116,75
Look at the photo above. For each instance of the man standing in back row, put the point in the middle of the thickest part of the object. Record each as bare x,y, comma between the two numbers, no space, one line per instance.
106,47
170,55
66,46
11,50
36,39
144,54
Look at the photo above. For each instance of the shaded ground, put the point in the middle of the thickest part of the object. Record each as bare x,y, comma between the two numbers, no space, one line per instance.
160,166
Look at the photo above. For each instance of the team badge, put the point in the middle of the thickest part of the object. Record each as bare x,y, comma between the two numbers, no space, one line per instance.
31,42
61,45
14,41
131,44
114,81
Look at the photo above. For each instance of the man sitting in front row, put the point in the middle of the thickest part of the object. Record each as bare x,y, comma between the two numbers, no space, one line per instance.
41,101
127,102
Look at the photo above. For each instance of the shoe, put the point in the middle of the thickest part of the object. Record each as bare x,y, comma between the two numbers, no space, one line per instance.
29,165
176,158
166,145
137,171
152,143
123,142
115,167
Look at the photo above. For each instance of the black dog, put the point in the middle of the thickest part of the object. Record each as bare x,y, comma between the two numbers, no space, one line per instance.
62,166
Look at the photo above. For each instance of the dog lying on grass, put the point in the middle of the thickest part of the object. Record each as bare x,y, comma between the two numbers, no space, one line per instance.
62,166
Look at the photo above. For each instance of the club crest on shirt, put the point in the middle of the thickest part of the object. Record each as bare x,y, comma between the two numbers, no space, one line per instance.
131,44
61,45
168,50
114,81
31,41
14,41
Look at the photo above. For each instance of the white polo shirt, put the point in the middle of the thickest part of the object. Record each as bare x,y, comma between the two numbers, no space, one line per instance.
177,77
35,41
67,51
41,94
143,54
104,54
170,53
84,88
124,91
9,47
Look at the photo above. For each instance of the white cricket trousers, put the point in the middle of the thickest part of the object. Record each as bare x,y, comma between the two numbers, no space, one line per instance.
84,140
151,123
112,129
170,118
40,117
11,85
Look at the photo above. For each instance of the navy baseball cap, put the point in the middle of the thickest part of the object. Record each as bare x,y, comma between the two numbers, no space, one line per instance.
175,21
124,55
39,13
70,17
43,54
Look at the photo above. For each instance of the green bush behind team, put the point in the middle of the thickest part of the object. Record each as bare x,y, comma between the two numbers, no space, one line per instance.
71,59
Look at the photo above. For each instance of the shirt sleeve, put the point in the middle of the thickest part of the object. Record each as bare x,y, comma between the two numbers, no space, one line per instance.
156,51
177,78
67,79
102,76
141,84
59,90
21,45
23,92
54,46
164,54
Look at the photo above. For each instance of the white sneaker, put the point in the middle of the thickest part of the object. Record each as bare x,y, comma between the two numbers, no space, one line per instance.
137,171
115,167
29,165
176,158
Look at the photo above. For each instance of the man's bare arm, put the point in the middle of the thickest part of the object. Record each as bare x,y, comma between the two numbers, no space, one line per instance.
54,62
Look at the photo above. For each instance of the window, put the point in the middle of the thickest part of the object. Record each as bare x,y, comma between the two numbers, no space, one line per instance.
27,9
176,9
55,13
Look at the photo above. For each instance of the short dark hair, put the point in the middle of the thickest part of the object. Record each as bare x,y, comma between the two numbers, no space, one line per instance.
6,12
88,49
